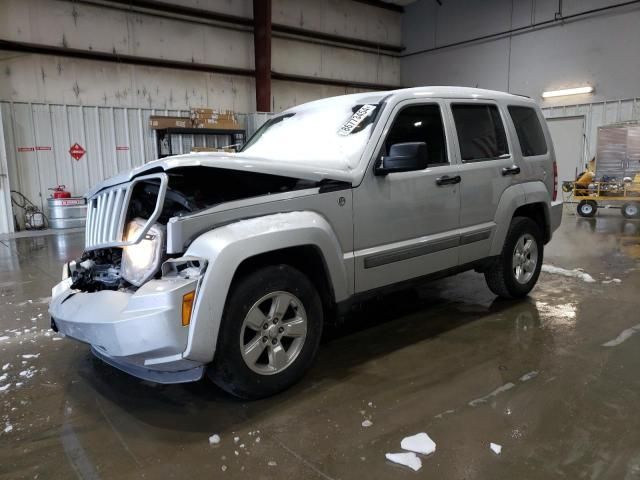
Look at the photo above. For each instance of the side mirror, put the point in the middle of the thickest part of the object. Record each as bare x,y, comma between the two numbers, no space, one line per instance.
404,157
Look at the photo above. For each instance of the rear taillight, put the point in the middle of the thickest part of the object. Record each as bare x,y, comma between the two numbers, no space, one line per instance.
555,180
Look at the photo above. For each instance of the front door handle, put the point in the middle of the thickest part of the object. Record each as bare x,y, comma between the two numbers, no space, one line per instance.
514,170
446,180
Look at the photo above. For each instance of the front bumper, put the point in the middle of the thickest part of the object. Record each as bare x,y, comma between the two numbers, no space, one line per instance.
138,332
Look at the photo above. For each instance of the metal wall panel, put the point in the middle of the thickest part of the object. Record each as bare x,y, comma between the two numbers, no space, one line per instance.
6,217
597,115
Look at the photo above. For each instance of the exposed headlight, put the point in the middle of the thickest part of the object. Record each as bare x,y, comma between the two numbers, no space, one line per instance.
141,260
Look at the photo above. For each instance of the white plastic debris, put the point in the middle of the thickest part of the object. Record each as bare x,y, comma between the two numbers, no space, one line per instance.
272,463
409,459
419,443
575,273
495,448
367,423
214,439
622,336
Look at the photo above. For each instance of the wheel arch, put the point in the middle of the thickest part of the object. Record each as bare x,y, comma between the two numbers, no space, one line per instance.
232,249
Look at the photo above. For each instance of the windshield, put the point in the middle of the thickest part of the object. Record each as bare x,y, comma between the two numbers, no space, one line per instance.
330,133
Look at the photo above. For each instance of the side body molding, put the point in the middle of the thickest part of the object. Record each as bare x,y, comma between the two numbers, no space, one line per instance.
228,246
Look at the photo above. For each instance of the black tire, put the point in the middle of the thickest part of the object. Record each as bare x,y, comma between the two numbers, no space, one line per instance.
500,277
587,208
229,370
631,210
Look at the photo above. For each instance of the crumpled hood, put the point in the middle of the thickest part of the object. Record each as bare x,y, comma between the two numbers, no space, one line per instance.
231,161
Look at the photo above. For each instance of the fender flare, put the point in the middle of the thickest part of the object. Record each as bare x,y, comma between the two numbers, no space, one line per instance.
513,198
226,247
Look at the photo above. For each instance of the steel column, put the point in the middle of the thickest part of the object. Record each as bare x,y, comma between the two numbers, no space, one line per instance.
262,51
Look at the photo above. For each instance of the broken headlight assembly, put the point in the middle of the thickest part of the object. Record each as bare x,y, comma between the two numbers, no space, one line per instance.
141,260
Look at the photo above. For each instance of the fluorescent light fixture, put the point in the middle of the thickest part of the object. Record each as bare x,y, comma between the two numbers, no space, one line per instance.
567,91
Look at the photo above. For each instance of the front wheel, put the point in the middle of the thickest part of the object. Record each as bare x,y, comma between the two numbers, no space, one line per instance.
270,333
587,208
515,271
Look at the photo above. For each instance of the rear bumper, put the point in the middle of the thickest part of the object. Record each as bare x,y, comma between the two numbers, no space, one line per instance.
555,215
138,332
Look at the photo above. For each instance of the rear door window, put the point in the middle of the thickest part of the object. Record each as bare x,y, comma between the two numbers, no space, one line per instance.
529,130
480,131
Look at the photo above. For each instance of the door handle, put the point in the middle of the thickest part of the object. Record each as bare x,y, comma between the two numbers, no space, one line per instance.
446,180
511,170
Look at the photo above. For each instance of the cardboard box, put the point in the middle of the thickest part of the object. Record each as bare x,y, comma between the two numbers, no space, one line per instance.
220,123
157,122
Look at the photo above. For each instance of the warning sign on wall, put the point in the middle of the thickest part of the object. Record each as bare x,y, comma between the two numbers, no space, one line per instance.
76,151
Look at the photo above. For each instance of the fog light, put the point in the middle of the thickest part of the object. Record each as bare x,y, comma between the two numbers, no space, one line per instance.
187,307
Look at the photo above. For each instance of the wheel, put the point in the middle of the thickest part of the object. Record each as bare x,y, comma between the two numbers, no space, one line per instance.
516,270
631,210
587,208
270,333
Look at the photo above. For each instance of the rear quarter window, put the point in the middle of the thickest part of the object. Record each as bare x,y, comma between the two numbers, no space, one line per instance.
529,131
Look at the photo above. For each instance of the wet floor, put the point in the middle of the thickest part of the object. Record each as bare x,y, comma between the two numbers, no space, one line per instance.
447,359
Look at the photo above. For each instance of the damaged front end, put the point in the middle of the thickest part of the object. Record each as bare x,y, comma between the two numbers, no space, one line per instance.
126,296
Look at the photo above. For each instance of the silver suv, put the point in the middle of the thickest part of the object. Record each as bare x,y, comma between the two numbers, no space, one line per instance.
229,264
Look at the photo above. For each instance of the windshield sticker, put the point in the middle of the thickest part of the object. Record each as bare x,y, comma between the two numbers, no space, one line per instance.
356,119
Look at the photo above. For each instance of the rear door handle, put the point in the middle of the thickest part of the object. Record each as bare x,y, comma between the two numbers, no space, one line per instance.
446,180
511,170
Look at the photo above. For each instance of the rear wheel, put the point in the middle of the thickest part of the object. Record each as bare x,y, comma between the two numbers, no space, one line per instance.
270,333
631,210
587,208
515,271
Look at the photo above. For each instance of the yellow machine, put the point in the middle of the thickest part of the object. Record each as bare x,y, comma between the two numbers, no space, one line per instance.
590,195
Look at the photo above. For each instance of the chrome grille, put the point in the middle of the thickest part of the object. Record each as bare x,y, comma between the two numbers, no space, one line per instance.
107,214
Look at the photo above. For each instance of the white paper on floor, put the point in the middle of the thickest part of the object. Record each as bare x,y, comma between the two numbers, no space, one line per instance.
575,273
214,439
419,443
495,448
409,459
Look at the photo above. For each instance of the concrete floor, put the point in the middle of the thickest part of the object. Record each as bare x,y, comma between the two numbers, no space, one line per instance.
448,359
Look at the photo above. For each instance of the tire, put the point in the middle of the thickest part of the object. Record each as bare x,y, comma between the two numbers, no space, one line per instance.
273,360
631,210
587,208
502,277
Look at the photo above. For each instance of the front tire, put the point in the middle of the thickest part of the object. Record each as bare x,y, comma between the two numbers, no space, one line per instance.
270,333
515,271
587,208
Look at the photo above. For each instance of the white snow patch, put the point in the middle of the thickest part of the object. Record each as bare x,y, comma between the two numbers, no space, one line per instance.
6,366
214,439
3,377
622,336
55,339
419,443
236,439
272,463
367,423
495,448
223,468
410,460
497,391
613,280
3,338
5,387
575,273
529,376
257,439
28,373
8,428
31,355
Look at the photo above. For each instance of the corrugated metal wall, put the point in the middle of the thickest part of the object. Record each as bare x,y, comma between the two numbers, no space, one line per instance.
38,138
597,115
